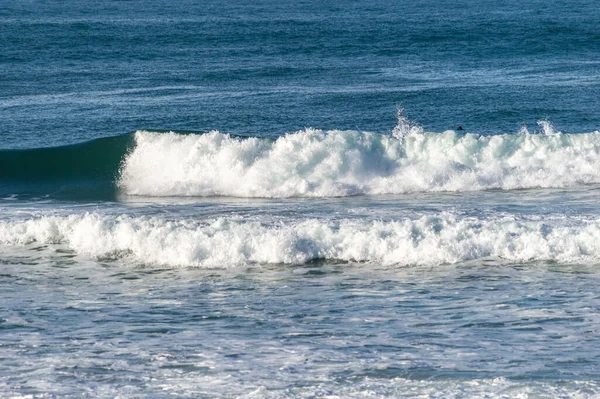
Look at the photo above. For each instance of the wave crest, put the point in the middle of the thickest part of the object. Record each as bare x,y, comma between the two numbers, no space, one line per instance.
316,163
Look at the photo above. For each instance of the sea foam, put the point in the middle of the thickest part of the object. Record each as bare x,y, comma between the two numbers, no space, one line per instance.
444,238
316,163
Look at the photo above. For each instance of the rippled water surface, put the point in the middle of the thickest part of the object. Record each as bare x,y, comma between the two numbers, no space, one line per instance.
478,326
268,199
319,329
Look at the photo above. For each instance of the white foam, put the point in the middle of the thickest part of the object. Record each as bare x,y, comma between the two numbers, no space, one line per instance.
496,388
318,163
427,240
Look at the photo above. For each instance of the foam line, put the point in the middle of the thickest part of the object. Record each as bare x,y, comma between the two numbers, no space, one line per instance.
426,240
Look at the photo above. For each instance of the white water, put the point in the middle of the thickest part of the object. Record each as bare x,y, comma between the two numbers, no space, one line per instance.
316,163
443,238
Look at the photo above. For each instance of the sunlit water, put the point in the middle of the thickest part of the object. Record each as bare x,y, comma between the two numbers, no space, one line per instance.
267,199
484,327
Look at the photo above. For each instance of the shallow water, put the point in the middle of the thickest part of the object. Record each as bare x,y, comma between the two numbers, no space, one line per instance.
344,330
479,325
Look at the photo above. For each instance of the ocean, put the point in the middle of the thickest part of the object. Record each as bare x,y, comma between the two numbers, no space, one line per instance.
299,199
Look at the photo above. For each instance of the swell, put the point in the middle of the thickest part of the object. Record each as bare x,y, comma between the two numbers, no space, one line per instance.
87,169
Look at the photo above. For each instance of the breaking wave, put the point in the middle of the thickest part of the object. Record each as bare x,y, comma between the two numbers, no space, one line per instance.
308,163
316,163
444,238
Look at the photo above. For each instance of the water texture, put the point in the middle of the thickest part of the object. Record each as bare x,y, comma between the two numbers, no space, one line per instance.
299,199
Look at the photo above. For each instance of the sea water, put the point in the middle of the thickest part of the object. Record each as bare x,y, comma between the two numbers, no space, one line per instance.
269,199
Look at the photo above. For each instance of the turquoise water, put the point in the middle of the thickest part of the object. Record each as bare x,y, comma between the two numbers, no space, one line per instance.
274,199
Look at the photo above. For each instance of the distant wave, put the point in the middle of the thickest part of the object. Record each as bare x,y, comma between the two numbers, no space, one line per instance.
316,163
308,163
444,238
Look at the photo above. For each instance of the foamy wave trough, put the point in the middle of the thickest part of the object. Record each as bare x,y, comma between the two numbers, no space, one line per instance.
316,163
429,240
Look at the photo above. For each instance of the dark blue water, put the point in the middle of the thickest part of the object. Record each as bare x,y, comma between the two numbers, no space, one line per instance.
78,70
273,199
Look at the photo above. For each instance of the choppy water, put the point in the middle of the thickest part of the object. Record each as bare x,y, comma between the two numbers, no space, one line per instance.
223,200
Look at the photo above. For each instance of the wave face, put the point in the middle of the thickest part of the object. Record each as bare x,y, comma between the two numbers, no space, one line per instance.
445,238
85,168
315,163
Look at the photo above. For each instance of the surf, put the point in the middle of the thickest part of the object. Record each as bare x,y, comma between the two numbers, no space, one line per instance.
434,239
306,163
317,163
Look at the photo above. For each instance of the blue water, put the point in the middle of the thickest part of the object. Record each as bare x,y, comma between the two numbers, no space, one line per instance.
274,199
